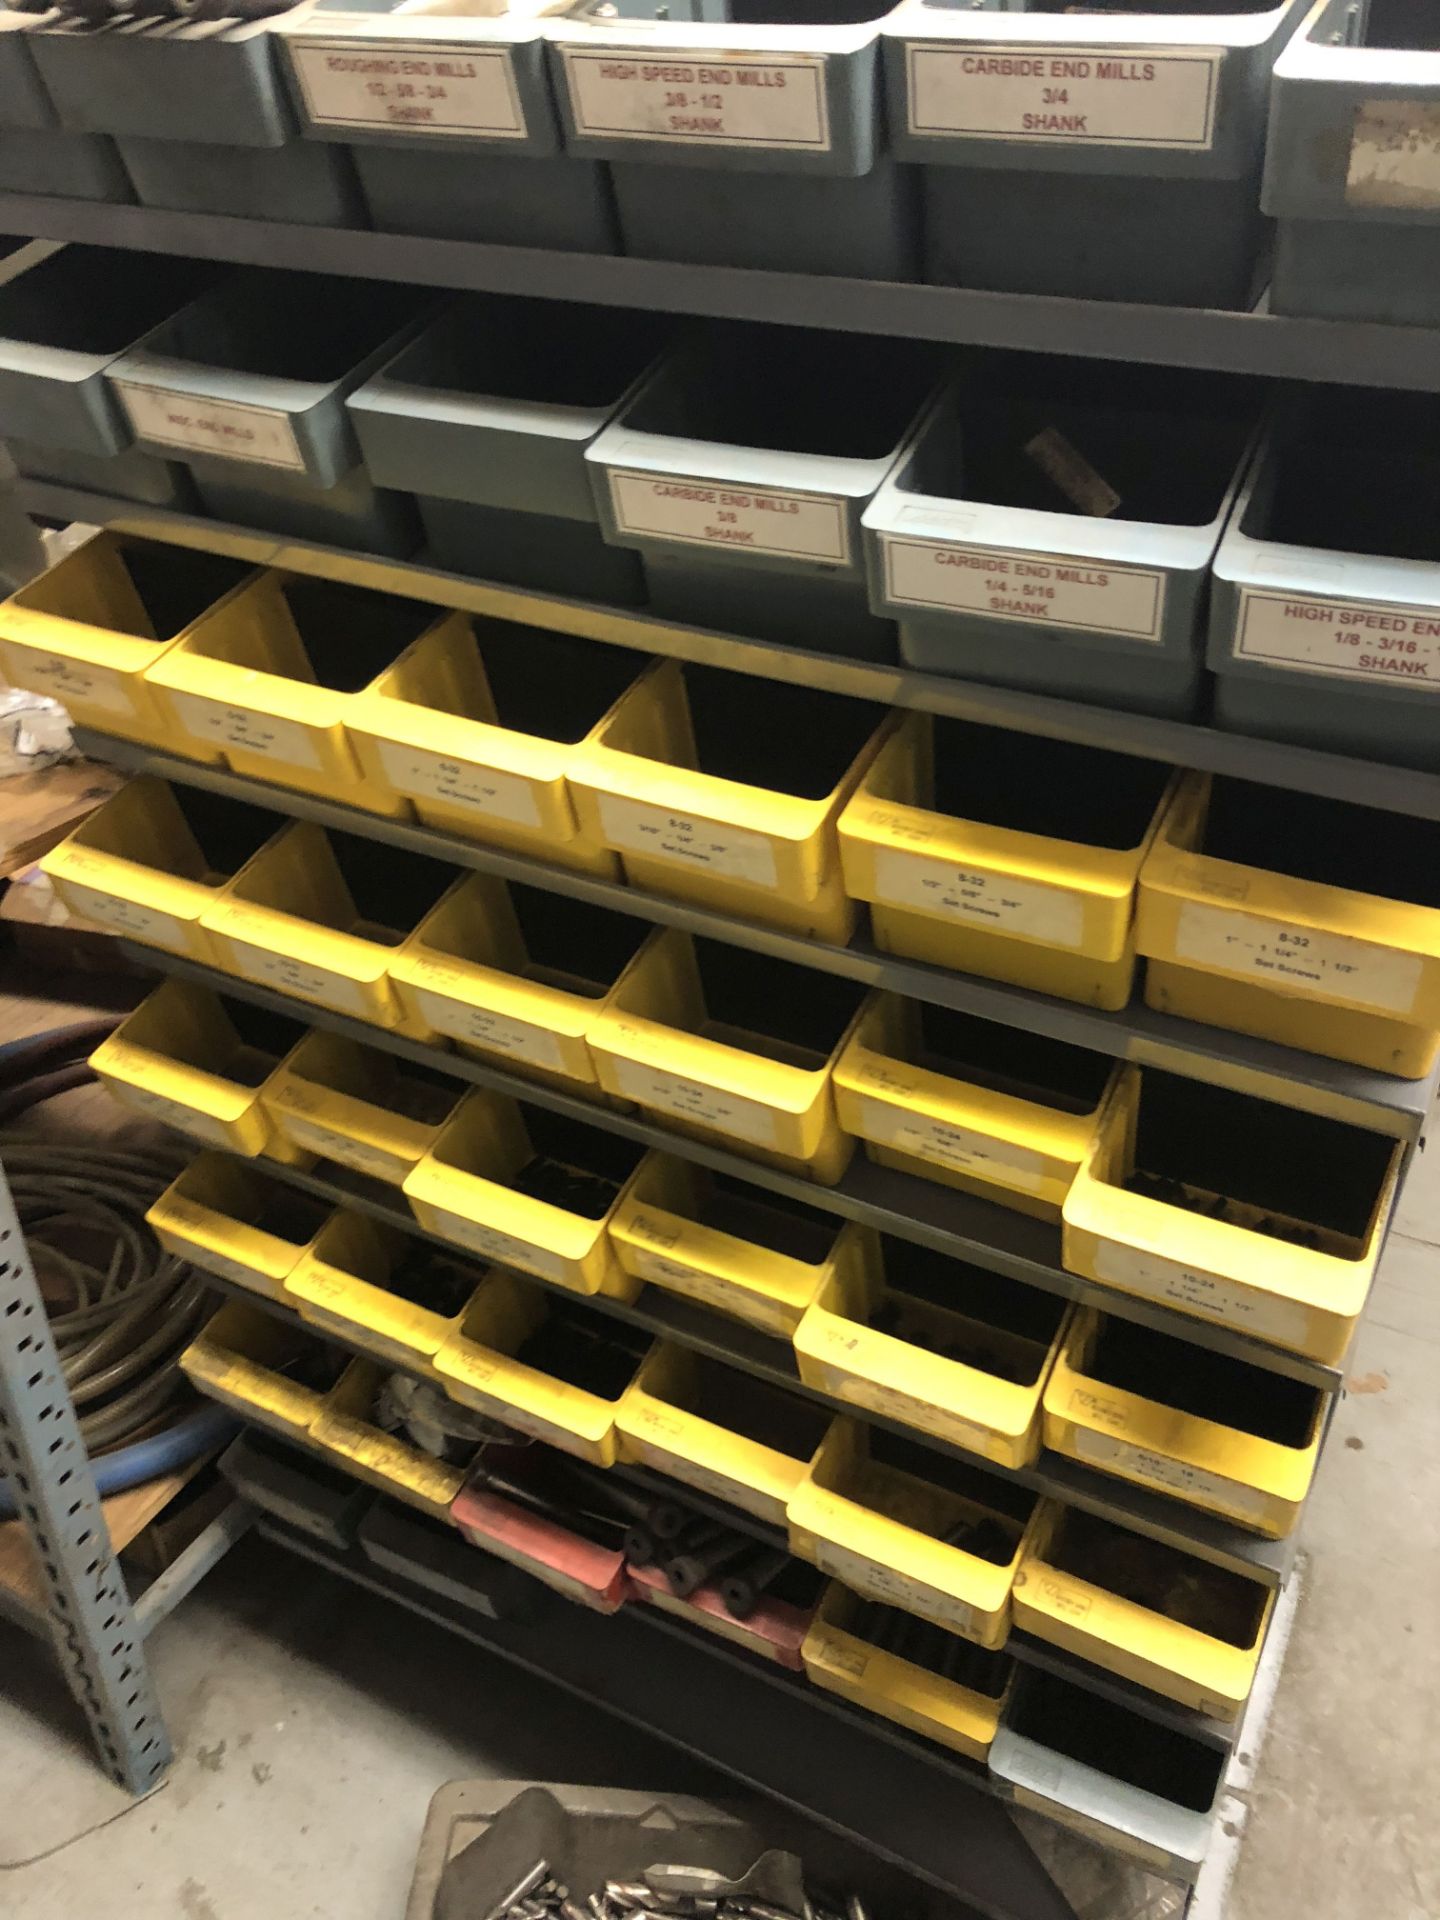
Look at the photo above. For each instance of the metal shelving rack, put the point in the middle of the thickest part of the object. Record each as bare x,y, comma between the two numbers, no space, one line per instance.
973,1852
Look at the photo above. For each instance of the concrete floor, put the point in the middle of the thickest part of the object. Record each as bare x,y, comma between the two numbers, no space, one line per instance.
312,1722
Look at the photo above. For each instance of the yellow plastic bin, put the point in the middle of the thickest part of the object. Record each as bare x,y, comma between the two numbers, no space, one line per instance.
1181,1420
732,1045
528,1189
236,1221
478,726
538,1365
269,1373
718,788
355,1428
358,1106
318,915
902,1524
1297,918
87,631
266,681
516,973
1235,1210
950,1349
153,859
950,1692
760,1257
720,1430
1005,854
1146,1611
200,1062
380,1289
989,1109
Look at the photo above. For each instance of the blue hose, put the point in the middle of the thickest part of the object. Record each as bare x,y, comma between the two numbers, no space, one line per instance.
162,1453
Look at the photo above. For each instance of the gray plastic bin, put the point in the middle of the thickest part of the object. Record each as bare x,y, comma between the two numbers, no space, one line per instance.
486,417
1352,169
1325,611
451,123
1092,1764
295,1488
741,132
999,571
24,103
1110,152
434,1555
248,385
73,166
131,475
64,319
203,121
740,470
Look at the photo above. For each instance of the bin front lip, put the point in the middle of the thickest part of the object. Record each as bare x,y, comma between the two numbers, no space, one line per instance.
676,456
744,1264
344,953
1278,1471
1305,58
388,395
586,1415
270,1256
720,39
368,1122
210,1093
499,30
687,1056
125,654
165,373
391,1319
468,982
317,709
385,718
837,1518
706,796
919,24
775,1475
125,879
570,1236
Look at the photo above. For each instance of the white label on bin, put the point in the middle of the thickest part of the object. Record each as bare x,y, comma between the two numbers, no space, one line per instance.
1395,154
1298,959
288,975
459,783
882,1583
420,85
1040,589
961,1148
634,826
219,725
994,902
1113,1839
481,1028
503,1248
1086,96
690,1100
1203,1294
156,929
701,513
331,1145
72,682
698,98
262,436
1173,1476
1354,639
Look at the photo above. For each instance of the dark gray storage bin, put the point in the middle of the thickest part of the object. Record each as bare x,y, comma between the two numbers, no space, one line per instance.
998,570
73,166
64,319
740,470
295,1488
131,475
24,102
452,126
487,416
741,133
1352,167
1109,152
1325,610
300,184
431,1554
262,365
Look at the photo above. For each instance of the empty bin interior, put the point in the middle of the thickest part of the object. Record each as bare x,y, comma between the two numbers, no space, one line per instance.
1115,1741
223,833
967,1314
763,733
775,1008
771,1418
270,323
1211,1600
539,351
1167,441
1380,498
1410,24
97,300
597,1357
1194,1380
922,1644
1085,795
577,1168
1333,842
255,1040
386,892
545,684
790,390
1024,1066
173,587
1296,1176
771,1220
426,1278
412,1091
270,1206
347,635
992,1534
571,945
